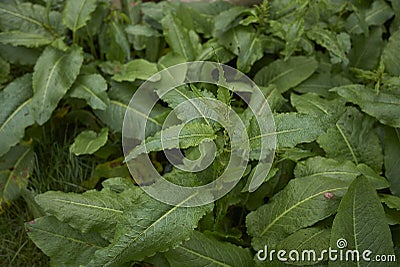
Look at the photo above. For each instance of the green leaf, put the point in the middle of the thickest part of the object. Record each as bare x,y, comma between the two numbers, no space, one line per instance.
114,114
24,39
311,103
366,50
19,55
142,30
54,73
182,41
243,42
148,227
314,238
201,250
229,18
77,13
88,142
391,159
338,45
377,14
345,171
295,128
383,106
92,211
136,69
392,202
214,51
361,222
65,245
15,168
178,136
30,19
391,54
320,83
92,88
300,204
113,42
291,129
15,113
353,138
286,74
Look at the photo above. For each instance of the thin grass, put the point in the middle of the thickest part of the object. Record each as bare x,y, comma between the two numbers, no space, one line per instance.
54,169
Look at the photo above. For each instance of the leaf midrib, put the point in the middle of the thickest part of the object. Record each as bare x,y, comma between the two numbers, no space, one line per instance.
87,205
67,238
152,225
296,205
15,113
136,111
203,256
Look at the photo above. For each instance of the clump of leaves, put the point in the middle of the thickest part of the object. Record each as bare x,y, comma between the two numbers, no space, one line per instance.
329,70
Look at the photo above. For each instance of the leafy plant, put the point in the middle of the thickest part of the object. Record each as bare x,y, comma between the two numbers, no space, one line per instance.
328,69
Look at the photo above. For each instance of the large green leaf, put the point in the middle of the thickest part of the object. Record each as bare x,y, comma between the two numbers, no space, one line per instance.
30,18
346,171
15,168
391,54
19,54
54,73
366,50
136,69
182,41
311,103
353,138
391,201
300,204
179,136
286,74
392,159
244,43
314,238
88,142
77,12
201,250
65,245
338,45
148,227
24,39
377,14
15,113
92,88
92,211
291,129
361,222
383,106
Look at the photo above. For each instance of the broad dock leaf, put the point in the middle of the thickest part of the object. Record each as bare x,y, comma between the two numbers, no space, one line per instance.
148,227
353,138
361,222
286,74
54,73
92,88
77,13
201,250
65,245
16,112
383,106
300,204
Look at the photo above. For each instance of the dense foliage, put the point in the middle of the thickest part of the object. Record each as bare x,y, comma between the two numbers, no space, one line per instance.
330,70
